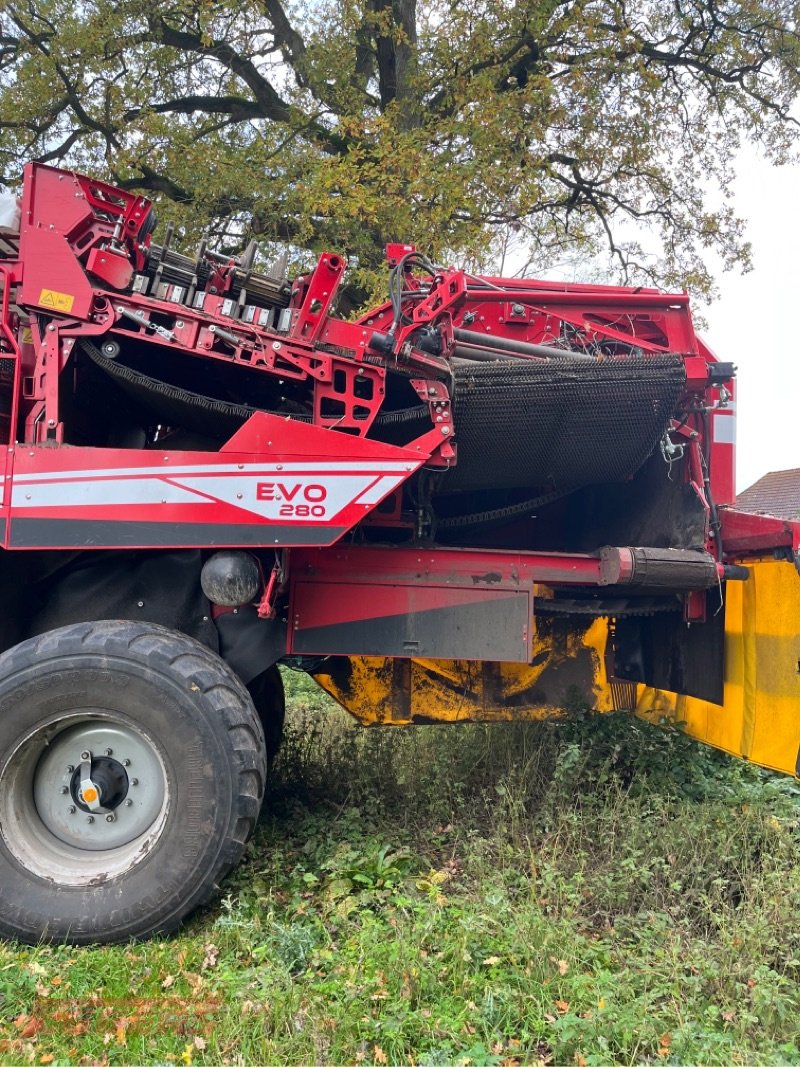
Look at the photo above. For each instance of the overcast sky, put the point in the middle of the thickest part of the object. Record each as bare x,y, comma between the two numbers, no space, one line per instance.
756,322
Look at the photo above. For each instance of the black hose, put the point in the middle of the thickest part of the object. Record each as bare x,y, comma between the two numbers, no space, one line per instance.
521,348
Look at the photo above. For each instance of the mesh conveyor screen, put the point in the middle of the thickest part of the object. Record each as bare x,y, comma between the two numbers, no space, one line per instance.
559,424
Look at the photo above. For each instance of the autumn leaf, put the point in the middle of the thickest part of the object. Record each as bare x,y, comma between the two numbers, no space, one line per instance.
379,1055
562,1007
563,966
28,1025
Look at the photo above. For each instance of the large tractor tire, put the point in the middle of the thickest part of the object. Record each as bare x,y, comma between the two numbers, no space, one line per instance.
132,771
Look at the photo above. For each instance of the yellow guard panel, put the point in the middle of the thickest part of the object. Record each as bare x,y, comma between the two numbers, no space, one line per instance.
759,720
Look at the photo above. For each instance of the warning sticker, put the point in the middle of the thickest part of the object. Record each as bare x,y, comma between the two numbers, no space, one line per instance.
49,298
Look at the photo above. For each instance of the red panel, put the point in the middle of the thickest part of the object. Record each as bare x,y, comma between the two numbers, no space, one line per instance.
742,532
475,568
319,603
322,495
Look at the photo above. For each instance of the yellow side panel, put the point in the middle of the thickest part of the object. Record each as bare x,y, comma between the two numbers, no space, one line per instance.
760,718
568,666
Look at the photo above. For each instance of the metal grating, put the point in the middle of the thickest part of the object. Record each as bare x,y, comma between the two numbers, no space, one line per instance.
561,424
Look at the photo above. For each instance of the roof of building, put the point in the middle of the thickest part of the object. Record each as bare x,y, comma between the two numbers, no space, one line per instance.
777,493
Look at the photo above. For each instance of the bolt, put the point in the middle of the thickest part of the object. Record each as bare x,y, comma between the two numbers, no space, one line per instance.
90,818
140,604
64,790
109,818
445,430
86,755
71,809
276,346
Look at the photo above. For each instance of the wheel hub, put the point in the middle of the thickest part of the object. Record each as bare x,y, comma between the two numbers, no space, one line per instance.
98,785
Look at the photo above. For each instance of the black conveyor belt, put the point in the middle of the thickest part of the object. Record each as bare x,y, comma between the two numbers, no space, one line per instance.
559,424
549,426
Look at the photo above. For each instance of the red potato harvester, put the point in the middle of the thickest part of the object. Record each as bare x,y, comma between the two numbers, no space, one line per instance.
486,499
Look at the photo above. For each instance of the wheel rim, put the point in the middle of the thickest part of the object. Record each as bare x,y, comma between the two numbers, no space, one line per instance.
83,798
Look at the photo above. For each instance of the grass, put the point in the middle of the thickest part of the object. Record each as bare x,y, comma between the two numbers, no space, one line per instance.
592,892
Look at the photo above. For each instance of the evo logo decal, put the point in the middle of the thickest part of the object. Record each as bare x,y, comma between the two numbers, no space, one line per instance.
322,495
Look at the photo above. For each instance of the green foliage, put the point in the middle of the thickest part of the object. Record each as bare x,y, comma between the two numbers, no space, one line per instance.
591,892
463,127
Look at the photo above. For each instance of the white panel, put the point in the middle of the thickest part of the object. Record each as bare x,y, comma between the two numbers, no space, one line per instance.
100,492
724,428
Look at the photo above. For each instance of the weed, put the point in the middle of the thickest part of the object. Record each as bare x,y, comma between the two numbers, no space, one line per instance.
593,891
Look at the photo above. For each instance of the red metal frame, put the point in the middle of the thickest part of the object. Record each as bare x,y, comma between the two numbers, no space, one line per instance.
279,483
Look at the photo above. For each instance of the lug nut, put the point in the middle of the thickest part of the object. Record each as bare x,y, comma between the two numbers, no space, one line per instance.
134,781
70,768
90,818
71,809
109,751
109,818
128,803
86,755
126,763
64,790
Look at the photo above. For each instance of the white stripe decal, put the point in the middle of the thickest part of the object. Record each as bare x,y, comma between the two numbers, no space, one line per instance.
108,491
379,489
271,495
184,470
